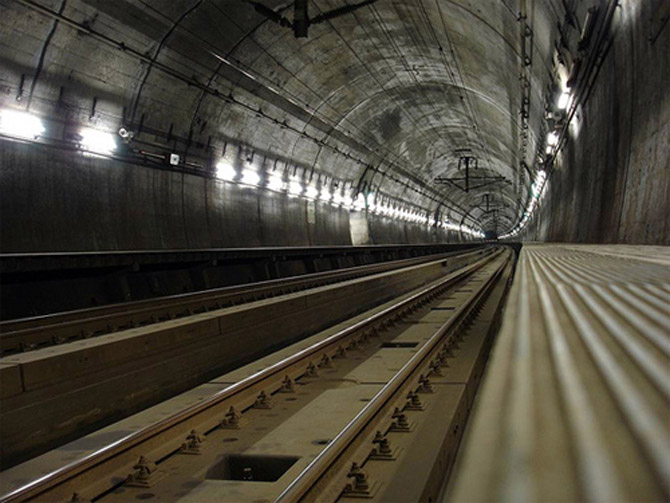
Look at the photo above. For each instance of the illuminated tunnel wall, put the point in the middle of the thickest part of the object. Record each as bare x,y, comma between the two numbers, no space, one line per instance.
198,124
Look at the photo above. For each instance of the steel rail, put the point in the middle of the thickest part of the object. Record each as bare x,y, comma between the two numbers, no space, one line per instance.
184,420
306,480
74,325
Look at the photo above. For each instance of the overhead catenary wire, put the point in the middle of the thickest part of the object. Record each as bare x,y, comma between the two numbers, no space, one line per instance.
314,111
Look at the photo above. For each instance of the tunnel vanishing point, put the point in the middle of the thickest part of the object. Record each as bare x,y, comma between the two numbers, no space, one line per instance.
334,250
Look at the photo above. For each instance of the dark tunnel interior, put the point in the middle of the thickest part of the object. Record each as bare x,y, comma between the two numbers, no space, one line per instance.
334,251
192,124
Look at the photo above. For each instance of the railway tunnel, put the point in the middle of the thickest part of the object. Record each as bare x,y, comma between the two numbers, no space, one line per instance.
334,250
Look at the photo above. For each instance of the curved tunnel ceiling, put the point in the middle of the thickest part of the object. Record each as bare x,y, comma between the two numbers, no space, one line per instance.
388,96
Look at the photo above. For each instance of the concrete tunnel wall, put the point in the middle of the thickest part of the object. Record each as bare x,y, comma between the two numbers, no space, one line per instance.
191,77
59,200
343,104
611,182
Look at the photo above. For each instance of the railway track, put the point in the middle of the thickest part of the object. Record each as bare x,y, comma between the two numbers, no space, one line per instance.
363,390
86,383
27,334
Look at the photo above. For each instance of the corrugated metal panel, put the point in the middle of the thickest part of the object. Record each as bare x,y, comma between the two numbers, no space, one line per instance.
575,404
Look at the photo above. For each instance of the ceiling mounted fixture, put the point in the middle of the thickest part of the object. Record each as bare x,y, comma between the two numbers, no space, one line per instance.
467,162
301,20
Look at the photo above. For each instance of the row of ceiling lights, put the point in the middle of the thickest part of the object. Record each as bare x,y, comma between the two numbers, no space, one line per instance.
537,192
563,102
28,126
295,186
565,106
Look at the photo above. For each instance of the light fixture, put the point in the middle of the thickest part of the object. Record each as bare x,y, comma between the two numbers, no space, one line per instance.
225,171
325,194
359,203
250,177
275,182
21,124
125,134
552,138
537,190
563,101
98,141
311,192
370,200
471,231
295,187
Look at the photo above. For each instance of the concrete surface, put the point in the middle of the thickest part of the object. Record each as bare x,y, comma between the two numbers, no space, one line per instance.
611,183
72,388
300,424
41,465
381,99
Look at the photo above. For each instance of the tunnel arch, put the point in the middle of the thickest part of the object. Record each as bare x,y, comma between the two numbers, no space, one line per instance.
380,98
